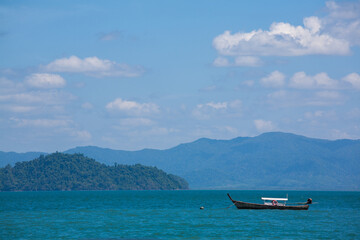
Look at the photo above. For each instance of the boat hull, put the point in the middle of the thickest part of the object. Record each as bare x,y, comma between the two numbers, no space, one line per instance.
245,205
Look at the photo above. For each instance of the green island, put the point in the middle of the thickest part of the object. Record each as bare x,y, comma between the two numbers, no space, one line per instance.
69,172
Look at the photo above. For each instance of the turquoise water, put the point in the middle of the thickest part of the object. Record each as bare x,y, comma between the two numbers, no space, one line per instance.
174,215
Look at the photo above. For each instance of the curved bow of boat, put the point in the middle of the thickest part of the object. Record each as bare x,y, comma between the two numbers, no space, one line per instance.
231,198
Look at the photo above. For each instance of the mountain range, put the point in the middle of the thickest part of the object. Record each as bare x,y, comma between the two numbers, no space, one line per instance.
272,160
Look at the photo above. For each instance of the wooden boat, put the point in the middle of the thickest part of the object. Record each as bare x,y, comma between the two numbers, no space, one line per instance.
271,203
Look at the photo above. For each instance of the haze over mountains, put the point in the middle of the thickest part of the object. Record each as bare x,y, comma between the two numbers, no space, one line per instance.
269,161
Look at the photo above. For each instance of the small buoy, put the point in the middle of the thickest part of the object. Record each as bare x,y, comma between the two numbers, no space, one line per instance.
201,208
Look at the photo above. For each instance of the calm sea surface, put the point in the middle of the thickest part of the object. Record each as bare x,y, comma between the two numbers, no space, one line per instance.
174,215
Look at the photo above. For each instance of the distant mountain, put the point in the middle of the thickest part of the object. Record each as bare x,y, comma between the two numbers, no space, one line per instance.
65,172
13,157
269,161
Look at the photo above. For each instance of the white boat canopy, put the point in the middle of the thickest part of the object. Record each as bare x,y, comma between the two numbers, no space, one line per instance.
271,199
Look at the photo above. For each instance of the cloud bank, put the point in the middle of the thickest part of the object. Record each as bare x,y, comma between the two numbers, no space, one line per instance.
282,39
301,80
333,34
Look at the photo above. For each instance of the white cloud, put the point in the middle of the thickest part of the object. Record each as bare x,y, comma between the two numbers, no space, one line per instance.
228,129
324,81
354,113
249,61
45,80
313,24
17,98
301,80
87,106
205,111
210,88
43,97
328,95
29,97
221,62
6,83
338,134
160,131
274,79
320,115
7,86
17,108
93,66
353,79
248,83
132,107
219,105
46,123
332,34
110,36
312,115
323,98
264,126
236,104
343,20
75,64
282,39
293,99
345,10
53,126
81,135
278,95
135,122
320,80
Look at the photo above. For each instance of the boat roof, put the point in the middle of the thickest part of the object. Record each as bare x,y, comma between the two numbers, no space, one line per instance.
277,199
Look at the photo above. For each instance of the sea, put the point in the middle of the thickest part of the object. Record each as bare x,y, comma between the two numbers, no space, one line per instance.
175,215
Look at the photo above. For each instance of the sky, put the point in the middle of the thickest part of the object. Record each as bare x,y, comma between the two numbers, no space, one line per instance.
140,74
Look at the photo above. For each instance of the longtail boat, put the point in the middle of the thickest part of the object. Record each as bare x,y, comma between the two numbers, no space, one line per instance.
271,203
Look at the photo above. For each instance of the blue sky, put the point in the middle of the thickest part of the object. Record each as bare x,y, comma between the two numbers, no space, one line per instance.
153,74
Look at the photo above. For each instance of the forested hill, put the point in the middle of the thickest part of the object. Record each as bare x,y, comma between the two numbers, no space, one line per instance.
65,172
